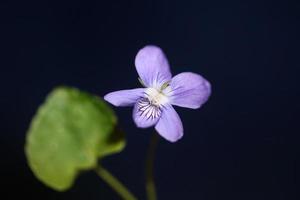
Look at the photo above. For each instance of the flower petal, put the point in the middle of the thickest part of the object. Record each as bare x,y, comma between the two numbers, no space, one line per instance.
152,66
169,125
124,97
145,114
189,90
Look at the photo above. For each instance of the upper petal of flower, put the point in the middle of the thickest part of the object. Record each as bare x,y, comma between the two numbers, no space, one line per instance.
152,66
124,97
169,125
189,90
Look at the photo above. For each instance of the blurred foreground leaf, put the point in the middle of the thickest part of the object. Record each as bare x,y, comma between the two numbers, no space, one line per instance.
69,133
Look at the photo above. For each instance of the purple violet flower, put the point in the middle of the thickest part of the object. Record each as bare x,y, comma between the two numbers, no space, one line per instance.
153,104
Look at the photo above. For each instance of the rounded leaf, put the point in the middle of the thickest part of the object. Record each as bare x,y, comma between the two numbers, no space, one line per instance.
69,133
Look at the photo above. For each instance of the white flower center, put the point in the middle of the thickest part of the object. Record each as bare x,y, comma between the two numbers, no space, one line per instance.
156,97
150,106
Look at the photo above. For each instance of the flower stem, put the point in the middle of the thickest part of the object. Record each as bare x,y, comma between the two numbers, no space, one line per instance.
115,184
150,185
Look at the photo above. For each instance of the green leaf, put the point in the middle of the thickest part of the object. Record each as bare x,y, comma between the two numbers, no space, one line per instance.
69,133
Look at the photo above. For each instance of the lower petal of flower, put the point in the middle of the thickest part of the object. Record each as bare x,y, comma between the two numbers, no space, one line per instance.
169,125
146,114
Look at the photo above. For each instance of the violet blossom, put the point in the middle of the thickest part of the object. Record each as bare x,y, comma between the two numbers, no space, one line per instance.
153,104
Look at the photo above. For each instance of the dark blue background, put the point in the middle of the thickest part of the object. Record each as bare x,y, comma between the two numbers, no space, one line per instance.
242,144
